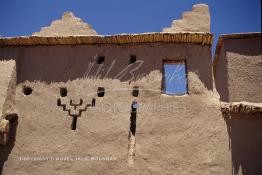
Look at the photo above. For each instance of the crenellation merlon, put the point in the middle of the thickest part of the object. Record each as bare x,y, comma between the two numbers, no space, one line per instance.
68,25
197,20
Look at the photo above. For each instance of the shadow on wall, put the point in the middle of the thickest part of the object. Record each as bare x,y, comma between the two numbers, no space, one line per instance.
245,46
62,63
221,76
244,131
6,150
68,70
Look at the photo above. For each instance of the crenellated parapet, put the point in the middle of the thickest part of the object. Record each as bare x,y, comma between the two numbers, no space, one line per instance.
197,20
68,25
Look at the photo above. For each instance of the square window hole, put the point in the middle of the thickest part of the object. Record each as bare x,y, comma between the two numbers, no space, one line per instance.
63,91
132,59
135,91
100,59
100,91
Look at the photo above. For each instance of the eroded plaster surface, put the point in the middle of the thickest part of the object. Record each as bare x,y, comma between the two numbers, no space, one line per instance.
238,74
186,134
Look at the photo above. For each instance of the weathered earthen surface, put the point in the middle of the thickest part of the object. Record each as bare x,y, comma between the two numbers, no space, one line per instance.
244,77
174,134
7,84
244,131
63,63
197,20
187,131
239,70
69,25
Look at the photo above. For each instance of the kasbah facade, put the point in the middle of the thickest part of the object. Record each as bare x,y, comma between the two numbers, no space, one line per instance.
66,92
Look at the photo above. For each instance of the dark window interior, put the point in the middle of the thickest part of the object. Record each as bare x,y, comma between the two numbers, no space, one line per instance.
63,92
100,60
132,59
27,90
135,91
100,91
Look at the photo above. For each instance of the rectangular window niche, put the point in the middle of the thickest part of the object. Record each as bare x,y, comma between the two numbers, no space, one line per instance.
174,77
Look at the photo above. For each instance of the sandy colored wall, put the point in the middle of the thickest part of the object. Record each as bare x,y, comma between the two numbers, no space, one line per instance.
63,63
221,76
185,135
7,84
197,20
245,152
238,74
190,136
7,95
238,78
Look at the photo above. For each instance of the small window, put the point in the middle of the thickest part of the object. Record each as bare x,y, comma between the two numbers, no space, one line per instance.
74,122
132,59
100,91
175,79
135,91
59,102
27,90
63,92
100,59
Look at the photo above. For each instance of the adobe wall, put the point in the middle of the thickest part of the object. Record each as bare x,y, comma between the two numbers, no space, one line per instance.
68,25
238,72
7,85
244,132
220,76
174,134
197,20
186,135
63,63
7,95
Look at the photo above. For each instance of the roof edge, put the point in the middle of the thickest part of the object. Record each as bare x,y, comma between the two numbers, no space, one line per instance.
182,37
241,107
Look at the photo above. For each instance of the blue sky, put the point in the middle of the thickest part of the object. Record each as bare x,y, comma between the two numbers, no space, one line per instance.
175,79
23,17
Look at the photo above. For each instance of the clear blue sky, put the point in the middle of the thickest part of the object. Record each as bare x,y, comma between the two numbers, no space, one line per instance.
23,17
175,79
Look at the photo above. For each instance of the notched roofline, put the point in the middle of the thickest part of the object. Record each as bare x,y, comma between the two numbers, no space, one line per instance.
197,38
